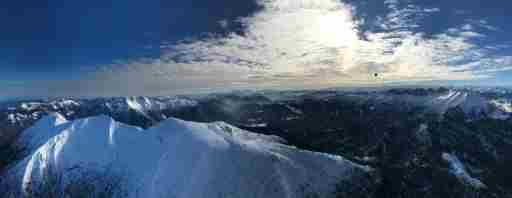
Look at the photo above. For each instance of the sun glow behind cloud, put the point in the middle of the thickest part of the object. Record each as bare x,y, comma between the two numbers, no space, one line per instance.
310,44
319,41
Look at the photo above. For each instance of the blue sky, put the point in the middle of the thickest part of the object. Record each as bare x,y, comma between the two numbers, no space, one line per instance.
51,39
130,47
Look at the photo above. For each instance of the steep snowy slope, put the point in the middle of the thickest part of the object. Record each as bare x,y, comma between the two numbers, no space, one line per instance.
474,105
45,129
183,159
458,169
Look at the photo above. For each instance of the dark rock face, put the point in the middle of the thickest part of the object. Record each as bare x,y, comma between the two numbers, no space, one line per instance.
404,141
418,91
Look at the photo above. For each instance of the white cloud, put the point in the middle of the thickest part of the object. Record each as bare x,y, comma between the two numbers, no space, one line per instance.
469,34
483,24
467,27
309,43
431,10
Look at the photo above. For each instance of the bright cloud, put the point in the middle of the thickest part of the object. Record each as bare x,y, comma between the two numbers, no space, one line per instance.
315,43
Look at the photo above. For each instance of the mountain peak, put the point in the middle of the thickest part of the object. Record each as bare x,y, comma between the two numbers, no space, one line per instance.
186,159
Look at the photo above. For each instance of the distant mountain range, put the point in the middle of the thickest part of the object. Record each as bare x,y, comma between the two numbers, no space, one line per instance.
420,142
146,111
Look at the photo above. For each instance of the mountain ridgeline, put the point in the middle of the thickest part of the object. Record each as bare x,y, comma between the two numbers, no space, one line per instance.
419,142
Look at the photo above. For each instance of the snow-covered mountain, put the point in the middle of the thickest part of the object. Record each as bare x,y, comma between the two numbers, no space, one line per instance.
144,110
181,159
474,104
147,111
253,108
423,142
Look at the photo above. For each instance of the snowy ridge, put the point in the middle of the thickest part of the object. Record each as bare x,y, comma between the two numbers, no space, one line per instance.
503,105
141,106
184,159
146,104
452,99
474,105
45,129
30,105
24,114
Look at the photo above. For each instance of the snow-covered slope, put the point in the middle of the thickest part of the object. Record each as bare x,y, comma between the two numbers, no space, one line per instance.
474,105
145,104
183,159
45,129
459,170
